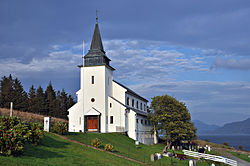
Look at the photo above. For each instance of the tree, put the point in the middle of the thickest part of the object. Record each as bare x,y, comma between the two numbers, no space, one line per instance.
64,104
172,118
6,90
32,100
50,97
20,97
40,104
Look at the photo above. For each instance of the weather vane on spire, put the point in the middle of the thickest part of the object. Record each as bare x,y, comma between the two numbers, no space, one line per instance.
96,16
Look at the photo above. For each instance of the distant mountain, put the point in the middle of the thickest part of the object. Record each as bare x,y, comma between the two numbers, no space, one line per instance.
241,127
203,128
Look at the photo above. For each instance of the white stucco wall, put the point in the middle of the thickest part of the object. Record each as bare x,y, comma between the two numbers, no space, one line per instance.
118,112
131,97
95,91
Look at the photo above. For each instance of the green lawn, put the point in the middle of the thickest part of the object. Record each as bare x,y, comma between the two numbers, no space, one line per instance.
56,151
241,156
125,146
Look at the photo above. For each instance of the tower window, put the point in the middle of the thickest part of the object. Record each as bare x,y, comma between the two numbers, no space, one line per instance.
133,102
110,105
92,79
141,106
144,107
92,100
137,105
111,119
127,100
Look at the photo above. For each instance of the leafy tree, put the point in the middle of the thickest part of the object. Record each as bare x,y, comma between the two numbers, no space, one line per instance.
20,97
172,118
32,100
6,91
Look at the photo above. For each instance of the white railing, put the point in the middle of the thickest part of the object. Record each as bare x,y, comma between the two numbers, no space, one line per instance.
211,157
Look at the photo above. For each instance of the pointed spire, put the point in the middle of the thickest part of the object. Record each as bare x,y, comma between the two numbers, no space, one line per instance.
96,55
96,44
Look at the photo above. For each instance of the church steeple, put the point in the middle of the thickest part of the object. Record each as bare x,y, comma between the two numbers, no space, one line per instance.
96,44
96,56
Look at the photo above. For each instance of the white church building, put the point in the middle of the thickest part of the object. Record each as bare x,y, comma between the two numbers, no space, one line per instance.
104,105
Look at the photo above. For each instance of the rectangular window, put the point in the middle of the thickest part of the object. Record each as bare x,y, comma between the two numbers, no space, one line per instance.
110,105
92,79
137,120
111,119
142,121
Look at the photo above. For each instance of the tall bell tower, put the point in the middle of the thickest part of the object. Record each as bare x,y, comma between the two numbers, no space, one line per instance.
96,78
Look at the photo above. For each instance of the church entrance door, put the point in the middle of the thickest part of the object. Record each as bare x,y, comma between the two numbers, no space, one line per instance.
92,123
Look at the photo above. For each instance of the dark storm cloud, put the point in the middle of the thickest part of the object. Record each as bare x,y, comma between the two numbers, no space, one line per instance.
222,25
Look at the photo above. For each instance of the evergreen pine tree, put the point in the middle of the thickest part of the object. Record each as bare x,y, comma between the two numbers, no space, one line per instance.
32,100
40,105
20,97
58,105
50,97
64,104
6,89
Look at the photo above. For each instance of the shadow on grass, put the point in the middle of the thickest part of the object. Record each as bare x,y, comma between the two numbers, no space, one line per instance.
46,149
39,152
49,141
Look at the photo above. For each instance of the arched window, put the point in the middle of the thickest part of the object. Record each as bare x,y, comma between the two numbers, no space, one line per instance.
144,107
127,100
137,105
133,102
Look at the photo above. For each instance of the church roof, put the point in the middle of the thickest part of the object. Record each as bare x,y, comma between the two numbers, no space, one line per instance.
96,47
129,91
96,43
96,55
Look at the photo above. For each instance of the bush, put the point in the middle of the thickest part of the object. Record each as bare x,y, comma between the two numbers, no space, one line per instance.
35,133
240,147
109,147
60,128
225,143
14,133
96,143
10,142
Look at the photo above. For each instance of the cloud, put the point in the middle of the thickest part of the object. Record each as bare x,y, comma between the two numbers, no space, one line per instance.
217,98
232,64
56,61
134,59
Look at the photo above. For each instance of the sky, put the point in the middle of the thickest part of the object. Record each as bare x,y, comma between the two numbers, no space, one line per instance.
196,51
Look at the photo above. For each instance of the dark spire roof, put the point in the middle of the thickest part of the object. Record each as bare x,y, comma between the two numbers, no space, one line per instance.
96,43
96,47
96,55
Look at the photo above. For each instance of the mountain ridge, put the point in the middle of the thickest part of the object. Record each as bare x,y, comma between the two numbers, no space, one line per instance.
233,128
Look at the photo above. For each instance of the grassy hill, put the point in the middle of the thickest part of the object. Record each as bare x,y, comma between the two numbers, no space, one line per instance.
56,151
